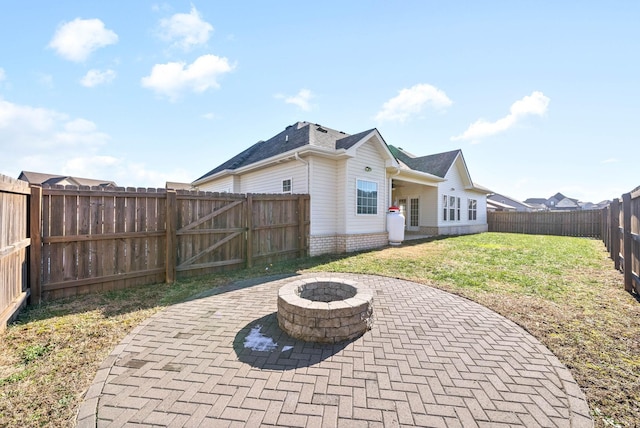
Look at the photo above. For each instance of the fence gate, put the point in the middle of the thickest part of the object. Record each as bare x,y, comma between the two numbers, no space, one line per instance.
210,233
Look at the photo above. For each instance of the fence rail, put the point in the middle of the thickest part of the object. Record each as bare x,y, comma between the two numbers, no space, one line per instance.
14,243
95,239
622,237
586,223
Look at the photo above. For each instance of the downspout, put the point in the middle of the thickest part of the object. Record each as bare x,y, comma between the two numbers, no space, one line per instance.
297,156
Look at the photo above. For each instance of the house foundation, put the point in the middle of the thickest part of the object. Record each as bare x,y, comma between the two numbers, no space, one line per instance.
332,244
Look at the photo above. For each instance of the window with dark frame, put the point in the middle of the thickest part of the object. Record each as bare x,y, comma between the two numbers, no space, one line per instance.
286,186
367,197
414,210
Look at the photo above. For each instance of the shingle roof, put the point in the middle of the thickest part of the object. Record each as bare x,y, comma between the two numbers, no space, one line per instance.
348,142
43,178
294,136
438,164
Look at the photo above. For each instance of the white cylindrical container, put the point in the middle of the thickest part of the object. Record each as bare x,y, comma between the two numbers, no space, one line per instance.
395,226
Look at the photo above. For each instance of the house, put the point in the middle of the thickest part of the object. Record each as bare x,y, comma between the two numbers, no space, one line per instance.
557,202
63,180
352,181
505,203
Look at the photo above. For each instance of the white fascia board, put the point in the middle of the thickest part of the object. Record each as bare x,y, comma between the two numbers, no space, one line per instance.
302,151
381,142
419,177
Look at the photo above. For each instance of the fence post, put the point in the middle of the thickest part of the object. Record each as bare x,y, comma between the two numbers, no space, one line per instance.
249,214
171,253
301,226
615,232
35,247
627,254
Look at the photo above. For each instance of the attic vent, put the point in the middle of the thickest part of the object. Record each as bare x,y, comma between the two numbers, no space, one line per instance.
321,129
286,138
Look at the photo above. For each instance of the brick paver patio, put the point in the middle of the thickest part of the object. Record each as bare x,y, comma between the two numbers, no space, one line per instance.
431,359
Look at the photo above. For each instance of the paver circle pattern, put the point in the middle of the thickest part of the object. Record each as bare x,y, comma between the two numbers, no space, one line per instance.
431,359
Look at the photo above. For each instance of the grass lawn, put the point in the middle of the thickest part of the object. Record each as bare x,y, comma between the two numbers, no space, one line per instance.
564,291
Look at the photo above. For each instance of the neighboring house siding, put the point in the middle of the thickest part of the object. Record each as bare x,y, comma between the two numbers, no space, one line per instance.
269,180
367,156
324,210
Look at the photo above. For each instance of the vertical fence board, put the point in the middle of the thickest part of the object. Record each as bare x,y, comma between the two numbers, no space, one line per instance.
14,243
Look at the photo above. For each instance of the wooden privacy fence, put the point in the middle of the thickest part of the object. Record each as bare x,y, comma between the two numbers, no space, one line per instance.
92,239
586,223
14,243
621,225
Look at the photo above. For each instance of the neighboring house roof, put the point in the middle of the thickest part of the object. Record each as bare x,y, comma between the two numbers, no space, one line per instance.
499,206
53,179
537,201
438,164
567,203
294,136
497,197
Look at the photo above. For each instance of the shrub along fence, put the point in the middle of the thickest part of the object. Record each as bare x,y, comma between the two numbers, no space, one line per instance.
621,225
586,223
14,245
94,239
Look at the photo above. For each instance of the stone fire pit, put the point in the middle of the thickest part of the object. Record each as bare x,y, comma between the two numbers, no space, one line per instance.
325,310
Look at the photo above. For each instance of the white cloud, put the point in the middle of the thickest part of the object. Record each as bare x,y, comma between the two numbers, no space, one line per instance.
411,101
43,140
2,74
185,30
76,40
301,99
209,116
26,128
611,160
96,77
534,104
173,78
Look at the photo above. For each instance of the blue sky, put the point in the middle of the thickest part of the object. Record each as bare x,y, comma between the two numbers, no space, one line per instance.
542,97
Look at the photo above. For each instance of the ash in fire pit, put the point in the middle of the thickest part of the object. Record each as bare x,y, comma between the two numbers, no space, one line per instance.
324,310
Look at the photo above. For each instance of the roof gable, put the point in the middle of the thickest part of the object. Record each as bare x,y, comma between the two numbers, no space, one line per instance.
438,164
300,134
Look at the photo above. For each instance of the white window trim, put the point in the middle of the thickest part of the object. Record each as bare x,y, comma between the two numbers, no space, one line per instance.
290,186
457,208
474,210
355,206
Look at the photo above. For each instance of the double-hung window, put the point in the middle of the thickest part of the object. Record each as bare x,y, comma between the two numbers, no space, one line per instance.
367,197
451,208
473,209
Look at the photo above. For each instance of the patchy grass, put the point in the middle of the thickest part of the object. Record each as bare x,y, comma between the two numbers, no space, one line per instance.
562,290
